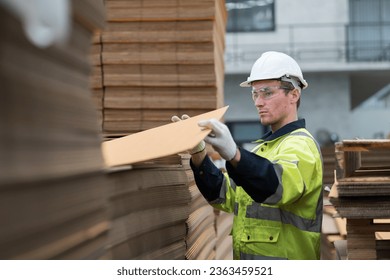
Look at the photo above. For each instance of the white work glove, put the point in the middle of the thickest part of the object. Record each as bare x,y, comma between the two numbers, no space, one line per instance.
198,148
220,138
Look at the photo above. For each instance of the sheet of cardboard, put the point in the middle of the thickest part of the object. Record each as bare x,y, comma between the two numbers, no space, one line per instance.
158,142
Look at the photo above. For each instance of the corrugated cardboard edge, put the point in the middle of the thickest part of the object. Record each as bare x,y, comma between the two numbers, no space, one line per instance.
158,142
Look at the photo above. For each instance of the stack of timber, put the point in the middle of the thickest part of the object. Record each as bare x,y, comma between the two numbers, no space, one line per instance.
52,184
149,206
159,59
361,194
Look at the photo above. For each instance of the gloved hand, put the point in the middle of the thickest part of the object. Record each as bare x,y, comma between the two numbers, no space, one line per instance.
198,148
220,138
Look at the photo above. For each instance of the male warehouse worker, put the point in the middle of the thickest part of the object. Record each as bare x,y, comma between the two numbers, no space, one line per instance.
275,191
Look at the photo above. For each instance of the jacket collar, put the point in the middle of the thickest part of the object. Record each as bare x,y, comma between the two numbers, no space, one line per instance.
269,136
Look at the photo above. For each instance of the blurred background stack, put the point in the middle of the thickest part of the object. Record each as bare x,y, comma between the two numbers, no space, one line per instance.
96,76
361,195
52,185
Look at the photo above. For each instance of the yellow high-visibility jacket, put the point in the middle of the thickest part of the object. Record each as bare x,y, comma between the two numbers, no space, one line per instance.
275,193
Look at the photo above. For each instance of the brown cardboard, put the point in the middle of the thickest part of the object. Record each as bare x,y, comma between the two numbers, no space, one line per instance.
158,142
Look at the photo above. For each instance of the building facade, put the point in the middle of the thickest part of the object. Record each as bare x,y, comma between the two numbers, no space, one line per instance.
343,48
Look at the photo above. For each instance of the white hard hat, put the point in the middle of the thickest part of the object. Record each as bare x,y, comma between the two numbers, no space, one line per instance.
275,65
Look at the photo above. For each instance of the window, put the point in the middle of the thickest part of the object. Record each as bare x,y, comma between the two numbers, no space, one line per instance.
250,16
369,30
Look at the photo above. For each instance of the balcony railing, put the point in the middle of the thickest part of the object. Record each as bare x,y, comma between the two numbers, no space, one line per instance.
331,43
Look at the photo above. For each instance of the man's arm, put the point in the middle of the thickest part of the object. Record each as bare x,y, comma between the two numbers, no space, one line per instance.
255,174
208,177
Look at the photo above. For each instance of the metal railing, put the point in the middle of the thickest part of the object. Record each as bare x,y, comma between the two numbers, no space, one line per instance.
314,43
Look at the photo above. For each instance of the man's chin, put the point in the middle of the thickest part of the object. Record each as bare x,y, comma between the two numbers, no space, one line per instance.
264,121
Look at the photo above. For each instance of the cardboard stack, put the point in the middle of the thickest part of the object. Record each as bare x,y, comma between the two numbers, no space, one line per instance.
159,59
333,230
361,194
96,76
52,186
148,208
201,233
328,158
224,245
333,226
208,230
135,221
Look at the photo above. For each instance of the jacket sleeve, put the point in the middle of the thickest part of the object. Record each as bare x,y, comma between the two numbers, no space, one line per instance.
216,186
208,178
255,174
294,172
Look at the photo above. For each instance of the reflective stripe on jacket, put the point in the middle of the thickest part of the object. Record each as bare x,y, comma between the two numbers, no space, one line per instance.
287,225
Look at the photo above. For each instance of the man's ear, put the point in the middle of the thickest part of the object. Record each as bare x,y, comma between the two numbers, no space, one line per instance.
296,94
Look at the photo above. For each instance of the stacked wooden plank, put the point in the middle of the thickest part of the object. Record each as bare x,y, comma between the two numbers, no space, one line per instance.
52,185
149,206
361,194
160,58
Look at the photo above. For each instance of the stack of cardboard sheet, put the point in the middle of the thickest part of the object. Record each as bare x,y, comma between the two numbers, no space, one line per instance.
361,194
159,59
201,234
135,221
96,76
223,220
333,230
333,226
328,157
224,246
149,205
52,198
